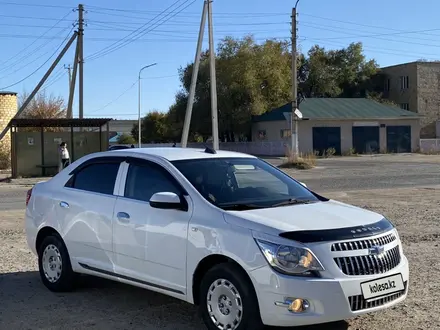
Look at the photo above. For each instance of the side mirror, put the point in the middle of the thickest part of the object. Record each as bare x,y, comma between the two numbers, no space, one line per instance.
168,201
303,184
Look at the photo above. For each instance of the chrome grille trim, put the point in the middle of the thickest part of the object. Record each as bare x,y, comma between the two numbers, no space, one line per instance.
369,264
364,244
358,303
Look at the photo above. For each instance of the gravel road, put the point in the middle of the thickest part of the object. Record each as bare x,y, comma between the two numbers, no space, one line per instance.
101,304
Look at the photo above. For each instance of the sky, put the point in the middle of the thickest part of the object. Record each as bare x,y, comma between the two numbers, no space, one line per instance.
121,37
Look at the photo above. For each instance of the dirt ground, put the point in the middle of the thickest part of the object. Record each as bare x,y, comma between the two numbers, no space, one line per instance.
101,304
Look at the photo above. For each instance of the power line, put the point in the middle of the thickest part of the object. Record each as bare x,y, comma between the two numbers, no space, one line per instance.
32,5
180,39
37,38
372,36
141,33
117,98
37,69
24,57
373,49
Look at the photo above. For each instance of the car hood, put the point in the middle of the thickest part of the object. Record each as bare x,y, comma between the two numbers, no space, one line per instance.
314,216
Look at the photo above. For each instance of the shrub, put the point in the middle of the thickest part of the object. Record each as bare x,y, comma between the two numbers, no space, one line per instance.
330,152
5,158
300,162
126,139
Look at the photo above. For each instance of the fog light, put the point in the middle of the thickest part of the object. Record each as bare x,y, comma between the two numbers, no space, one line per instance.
298,305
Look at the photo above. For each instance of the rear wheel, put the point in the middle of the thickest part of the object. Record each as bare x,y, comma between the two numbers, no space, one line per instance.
228,300
54,265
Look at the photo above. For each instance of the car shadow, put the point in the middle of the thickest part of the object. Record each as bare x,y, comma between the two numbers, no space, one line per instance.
98,304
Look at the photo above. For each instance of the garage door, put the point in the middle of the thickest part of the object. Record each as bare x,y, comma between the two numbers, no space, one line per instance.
366,139
325,138
399,139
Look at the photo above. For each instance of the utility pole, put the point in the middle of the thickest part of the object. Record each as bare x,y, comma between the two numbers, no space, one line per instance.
214,112
294,124
192,89
81,59
69,73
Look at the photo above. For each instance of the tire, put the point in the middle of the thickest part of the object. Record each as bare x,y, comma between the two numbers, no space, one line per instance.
223,286
54,265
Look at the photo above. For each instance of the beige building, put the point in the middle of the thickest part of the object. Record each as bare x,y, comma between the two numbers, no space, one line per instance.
415,87
346,125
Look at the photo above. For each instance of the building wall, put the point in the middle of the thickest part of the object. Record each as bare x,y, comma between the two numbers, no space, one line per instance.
428,97
437,129
8,109
423,94
395,93
305,136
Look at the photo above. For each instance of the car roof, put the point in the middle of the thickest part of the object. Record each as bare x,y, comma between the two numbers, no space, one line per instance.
175,153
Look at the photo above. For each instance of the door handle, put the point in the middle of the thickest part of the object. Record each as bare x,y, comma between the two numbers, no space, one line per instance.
123,217
64,205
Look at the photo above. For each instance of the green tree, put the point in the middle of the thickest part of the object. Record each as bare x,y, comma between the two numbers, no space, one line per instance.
155,128
126,139
251,78
254,78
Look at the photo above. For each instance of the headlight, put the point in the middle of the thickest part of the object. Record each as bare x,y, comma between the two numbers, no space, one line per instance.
289,259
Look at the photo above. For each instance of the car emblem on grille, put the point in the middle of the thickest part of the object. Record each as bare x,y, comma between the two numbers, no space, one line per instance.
377,250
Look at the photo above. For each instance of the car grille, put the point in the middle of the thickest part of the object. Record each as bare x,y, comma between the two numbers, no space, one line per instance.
358,303
369,264
363,244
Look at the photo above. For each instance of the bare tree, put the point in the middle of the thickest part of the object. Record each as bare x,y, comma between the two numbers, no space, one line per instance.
43,106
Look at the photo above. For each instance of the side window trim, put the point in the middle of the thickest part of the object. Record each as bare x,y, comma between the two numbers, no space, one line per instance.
120,178
123,171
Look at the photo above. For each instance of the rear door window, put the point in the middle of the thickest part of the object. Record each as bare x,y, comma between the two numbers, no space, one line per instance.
98,178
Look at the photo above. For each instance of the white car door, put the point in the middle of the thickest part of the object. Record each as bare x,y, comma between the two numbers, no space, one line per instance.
149,243
85,207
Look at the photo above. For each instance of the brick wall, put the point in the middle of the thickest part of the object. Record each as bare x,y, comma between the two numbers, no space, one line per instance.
8,109
428,77
422,95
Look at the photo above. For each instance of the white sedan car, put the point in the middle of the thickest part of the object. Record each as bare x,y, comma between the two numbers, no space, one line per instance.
225,231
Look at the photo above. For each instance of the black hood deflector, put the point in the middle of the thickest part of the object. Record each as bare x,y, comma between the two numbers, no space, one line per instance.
339,234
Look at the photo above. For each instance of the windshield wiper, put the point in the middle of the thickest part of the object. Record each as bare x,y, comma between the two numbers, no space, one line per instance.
293,201
240,207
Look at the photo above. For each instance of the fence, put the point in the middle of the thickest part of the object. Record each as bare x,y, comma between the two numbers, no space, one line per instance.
278,148
430,145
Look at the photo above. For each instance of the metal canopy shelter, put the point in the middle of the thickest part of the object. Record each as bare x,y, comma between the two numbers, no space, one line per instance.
41,124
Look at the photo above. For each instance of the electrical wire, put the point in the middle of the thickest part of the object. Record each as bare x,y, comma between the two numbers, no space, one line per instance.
32,5
38,38
5,69
373,49
116,99
37,69
141,33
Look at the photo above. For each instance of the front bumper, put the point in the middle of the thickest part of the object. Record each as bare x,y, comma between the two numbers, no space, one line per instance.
330,299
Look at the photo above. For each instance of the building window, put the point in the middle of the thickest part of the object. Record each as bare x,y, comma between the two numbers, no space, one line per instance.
404,82
404,106
285,133
262,134
387,85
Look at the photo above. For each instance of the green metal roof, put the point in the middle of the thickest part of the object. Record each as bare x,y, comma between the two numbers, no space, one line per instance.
339,109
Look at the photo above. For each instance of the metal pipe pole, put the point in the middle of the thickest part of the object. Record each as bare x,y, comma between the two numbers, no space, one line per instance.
195,72
214,112
139,104
294,133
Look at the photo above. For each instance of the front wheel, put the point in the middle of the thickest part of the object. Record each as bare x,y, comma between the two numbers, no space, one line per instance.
54,265
228,300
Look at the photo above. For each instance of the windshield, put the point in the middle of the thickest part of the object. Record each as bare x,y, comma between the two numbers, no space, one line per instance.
243,183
